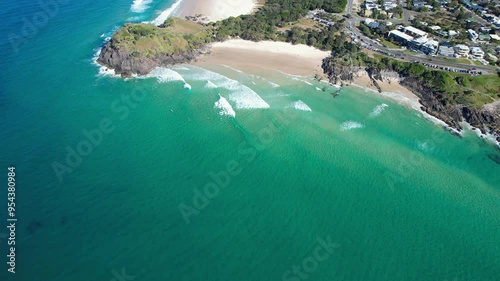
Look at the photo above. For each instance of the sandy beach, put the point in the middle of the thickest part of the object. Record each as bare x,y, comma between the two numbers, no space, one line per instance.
254,57
214,10
257,58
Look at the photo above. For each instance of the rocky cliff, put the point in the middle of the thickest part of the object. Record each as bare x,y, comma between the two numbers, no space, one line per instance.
126,64
486,119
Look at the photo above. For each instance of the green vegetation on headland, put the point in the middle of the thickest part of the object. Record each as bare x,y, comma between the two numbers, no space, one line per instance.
175,36
275,13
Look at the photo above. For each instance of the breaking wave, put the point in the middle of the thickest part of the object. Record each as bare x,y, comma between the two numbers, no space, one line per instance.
224,107
210,85
349,125
166,14
165,75
274,85
242,96
139,6
378,109
300,105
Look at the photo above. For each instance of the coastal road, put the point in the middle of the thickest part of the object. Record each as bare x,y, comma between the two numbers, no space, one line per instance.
349,7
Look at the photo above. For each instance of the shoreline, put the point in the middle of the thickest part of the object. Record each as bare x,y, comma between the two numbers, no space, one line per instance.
255,57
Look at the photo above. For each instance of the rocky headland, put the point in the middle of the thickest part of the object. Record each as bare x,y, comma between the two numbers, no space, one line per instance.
139,48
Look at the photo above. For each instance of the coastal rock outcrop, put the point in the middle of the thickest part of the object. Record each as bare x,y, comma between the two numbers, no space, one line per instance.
139,48
126,64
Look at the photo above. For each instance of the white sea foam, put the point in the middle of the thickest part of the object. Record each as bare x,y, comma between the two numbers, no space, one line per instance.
338,86
274,85
181,68
377,110
165,75
300,105
134,19
210,85
103,70
234,69
166,14
307,82
242,96
139,6
318,89
245,98
489,137
225,107
424,146
349,125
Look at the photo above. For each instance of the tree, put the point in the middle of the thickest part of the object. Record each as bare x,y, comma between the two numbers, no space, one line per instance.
409,4
398,11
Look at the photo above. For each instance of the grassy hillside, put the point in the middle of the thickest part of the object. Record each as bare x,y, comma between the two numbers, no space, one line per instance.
174,37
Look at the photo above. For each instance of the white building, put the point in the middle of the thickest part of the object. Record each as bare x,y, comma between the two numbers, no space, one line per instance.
477,53
485,29
472,34
492,57
430,47
416,44
461,51
495,37
400,36
415,31
446,51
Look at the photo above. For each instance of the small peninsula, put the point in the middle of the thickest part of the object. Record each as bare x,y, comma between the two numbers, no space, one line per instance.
139,48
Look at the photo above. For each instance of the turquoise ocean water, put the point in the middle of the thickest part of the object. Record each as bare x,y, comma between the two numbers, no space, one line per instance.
401,198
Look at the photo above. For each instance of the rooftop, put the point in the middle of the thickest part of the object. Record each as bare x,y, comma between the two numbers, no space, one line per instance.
495,37
476,50
421,40
415,30
401,35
